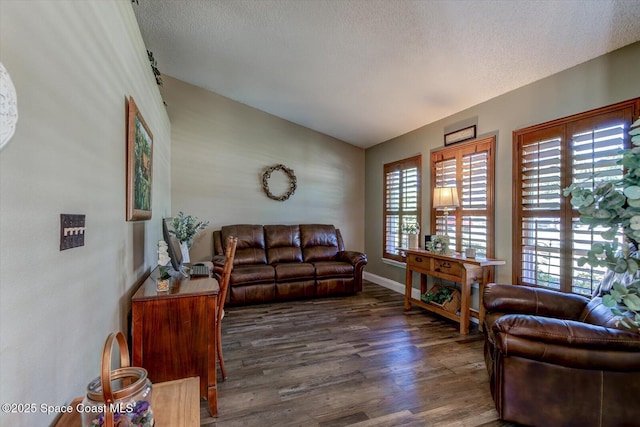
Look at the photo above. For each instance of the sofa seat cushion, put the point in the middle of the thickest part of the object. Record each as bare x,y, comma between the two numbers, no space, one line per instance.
250,274
294,271
333,269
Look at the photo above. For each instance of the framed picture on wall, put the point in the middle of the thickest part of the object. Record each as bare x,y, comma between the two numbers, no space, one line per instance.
460,135
139,165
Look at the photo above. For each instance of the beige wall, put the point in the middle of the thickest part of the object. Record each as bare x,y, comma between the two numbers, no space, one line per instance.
73,64
605,80
219,150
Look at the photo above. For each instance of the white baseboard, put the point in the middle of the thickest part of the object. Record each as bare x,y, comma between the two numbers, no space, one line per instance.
390,284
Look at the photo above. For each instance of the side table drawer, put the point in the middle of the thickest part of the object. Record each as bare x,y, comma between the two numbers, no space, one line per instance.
447,267
418,261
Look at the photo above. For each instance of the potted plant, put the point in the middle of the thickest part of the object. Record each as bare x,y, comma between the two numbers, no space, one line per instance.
411,229
185,227
444,297
615,205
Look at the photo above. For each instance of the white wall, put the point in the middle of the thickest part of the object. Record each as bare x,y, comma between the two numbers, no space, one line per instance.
603,81
74,63
220,149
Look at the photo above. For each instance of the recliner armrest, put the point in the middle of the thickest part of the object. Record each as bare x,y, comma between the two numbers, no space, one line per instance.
530,300
352,257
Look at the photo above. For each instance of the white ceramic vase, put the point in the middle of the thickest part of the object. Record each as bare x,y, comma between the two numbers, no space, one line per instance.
184,248
413,241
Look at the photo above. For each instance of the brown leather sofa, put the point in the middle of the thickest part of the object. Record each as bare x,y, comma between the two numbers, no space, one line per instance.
283,262
558,359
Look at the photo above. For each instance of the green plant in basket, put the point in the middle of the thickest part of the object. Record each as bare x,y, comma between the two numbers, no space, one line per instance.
439,296
615,205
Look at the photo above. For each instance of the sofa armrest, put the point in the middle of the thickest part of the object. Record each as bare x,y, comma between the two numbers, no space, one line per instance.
530,300
567,342
353,257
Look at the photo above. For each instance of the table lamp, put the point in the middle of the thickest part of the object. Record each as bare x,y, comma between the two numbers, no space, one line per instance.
445,198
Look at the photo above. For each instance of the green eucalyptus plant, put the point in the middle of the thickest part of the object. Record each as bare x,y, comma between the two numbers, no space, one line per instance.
185,227
615,206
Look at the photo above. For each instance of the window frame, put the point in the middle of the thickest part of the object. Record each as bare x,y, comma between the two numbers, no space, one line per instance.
458,152
566,128
404,164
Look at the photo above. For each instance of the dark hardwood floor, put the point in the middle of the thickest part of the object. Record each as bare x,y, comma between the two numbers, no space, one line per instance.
351,361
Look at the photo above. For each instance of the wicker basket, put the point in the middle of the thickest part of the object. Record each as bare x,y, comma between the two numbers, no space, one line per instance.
451,306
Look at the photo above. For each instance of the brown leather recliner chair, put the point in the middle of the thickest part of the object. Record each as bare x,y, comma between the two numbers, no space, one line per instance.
558,359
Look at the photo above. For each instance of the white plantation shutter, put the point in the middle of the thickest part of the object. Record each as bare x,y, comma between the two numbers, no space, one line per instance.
392,208
470,168
474,201
540,195
547,158
446,176
402,203
594,156
540,175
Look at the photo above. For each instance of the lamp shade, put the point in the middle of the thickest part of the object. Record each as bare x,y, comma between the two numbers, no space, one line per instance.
445,197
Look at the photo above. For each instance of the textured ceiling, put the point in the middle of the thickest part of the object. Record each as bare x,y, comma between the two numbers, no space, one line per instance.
365,71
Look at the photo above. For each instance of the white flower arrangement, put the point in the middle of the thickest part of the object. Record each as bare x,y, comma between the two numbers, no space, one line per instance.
410,228
163,259
439,245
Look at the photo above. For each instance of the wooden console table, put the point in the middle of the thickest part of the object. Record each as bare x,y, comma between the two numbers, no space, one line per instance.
173,332
456,268
174,403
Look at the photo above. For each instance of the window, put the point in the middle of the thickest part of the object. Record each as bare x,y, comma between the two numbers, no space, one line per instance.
470,168
548,237
402,204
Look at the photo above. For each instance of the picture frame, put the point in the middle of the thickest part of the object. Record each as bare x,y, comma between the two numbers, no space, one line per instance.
460,135
139,165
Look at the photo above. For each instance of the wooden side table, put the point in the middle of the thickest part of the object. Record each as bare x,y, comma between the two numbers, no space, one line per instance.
174,332
456,268
174,403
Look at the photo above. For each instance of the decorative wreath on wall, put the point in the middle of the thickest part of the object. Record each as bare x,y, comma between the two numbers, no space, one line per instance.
292,182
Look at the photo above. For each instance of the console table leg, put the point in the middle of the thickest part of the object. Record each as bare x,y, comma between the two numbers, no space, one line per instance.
212,400
408,285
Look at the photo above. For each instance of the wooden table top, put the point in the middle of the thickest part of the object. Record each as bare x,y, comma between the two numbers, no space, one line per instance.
174,403
479,260
180,286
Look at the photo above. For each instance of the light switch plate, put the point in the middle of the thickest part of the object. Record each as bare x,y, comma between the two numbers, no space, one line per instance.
72,228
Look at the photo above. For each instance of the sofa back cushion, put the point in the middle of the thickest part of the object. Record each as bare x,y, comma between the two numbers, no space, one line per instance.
319,242
283,243
251,244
